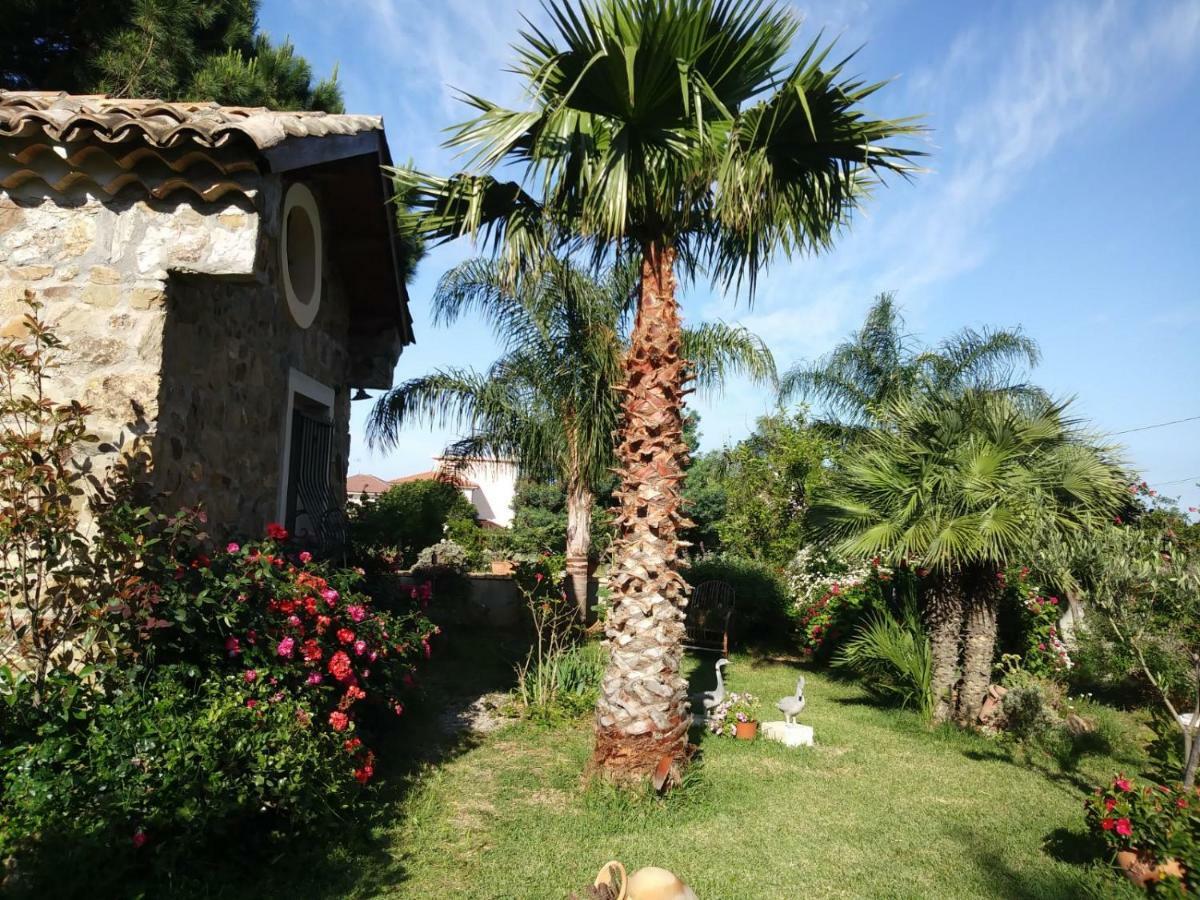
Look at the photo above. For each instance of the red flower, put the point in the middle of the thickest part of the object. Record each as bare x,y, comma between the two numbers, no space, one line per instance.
1124,828
338,720
1108,824
276,532
339,666
1122,784
345,635
311,650
351,744
1109,803
139,839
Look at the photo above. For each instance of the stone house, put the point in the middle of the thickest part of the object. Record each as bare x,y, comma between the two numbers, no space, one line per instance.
224,278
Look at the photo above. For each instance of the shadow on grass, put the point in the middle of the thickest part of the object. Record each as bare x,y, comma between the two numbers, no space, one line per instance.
1036,882
352,857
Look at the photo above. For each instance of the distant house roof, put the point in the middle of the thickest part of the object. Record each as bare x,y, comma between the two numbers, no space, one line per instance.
365,484
438,475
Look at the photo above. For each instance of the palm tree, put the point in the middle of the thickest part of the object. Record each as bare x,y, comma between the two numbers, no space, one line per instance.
550,401
881,363
674,133
957,484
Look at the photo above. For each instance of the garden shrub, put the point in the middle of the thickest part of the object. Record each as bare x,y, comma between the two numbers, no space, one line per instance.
830,597
407,518
761,595
168,764
445,565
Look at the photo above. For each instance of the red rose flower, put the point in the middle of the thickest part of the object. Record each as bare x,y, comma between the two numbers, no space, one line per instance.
345,635
339,666
338,720
277,532
311,650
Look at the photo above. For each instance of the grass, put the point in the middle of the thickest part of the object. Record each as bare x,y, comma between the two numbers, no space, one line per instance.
881,807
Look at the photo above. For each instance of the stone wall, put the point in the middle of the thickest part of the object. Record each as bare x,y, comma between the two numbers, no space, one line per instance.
177,331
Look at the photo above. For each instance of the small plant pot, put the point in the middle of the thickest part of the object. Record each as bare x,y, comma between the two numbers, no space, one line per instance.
1142,870
502,567
745,731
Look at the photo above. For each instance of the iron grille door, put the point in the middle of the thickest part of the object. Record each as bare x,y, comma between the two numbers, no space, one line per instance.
310,500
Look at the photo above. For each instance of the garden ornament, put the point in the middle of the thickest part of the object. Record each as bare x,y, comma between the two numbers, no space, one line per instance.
793,706
707,700
649,883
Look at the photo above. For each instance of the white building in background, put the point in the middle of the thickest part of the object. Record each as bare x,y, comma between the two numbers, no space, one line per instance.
490,485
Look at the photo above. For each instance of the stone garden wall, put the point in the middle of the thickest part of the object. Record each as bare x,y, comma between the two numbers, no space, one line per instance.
177,331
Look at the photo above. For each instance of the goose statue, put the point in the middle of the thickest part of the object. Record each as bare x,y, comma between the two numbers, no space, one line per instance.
794,705
708,700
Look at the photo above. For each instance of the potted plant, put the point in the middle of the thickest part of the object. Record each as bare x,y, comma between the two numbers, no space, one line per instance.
737,716
1153,831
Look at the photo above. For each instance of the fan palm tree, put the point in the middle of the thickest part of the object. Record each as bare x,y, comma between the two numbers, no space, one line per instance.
880,363
673,132
550,401
956,485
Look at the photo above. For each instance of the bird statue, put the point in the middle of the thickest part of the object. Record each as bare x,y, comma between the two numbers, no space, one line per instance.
793,706
709,700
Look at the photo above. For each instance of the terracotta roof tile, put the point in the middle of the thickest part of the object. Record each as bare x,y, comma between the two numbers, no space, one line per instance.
70,117
365,484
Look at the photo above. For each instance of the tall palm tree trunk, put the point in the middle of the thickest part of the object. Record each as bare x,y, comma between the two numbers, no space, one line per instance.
979,646
579,545
944,619
641,716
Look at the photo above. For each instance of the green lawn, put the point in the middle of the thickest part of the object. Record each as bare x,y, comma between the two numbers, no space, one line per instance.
880,808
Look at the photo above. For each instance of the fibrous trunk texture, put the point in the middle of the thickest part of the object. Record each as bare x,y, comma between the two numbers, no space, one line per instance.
979,646
579,545
641,717
944,619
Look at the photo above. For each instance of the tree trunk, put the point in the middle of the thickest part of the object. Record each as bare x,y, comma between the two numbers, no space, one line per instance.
1193,758
979,646
641,716
579,544
944,619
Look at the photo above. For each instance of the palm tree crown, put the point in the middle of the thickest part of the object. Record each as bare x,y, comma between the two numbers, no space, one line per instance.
960,479
674,123
881,363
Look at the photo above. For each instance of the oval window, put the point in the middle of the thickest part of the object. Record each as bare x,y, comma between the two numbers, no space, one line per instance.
300,254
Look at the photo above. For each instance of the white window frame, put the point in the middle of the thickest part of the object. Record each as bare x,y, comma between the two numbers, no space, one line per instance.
311,389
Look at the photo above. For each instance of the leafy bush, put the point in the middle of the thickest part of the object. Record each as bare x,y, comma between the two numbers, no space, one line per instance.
407,518
761,596
892,657
830,597
539,522
1160,822
166,765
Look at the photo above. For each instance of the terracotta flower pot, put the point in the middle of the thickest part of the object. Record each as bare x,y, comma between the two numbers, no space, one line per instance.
1141,869
502,567
745,731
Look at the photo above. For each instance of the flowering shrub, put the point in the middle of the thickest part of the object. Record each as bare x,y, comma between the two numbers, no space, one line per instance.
1160,822
294,624
738,706
165,764
235,699
1044,651
830,598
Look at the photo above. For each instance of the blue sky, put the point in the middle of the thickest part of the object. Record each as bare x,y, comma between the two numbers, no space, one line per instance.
1061,197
